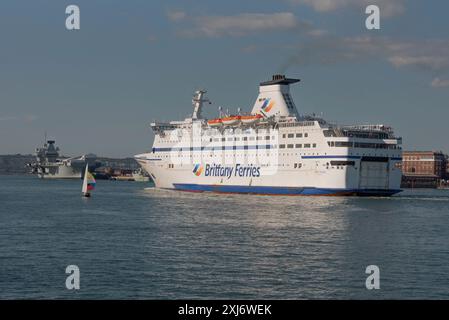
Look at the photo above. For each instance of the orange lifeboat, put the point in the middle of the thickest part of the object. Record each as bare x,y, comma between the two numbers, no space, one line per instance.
215,122
250,119
232,120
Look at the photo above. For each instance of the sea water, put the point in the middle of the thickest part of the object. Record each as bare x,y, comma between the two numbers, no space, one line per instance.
132,241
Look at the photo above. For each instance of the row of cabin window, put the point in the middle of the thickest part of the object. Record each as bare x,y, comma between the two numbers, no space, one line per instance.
251,138
292,135
298,145
349,144
243,138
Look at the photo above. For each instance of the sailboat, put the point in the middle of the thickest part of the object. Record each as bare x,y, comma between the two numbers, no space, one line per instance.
88,183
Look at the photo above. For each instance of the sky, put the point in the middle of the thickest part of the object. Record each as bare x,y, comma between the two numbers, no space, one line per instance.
97,89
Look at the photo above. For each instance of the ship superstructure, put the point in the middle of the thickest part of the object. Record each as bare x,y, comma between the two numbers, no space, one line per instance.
49,164
273,150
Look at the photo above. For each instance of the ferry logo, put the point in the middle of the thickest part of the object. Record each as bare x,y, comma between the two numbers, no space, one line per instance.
217,170
198,169
267,105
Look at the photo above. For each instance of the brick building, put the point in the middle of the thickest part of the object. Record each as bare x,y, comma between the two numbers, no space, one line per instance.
446,174
423,169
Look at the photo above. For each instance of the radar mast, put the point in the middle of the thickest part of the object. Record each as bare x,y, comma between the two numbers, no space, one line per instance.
197,102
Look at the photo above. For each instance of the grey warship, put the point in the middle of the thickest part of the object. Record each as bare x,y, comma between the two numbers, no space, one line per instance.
50,165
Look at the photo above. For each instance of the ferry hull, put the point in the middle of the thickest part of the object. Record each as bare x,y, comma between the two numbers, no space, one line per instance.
282,183
283,191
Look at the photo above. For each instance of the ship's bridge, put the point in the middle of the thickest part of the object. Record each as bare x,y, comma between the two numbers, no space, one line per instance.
361,131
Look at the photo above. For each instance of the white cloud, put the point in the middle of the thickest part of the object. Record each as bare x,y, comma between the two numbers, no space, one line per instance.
23,118
317,32
7,118
430,55
30,118
431,61
440,83
249,48
235,25
176,15
152,38
388,8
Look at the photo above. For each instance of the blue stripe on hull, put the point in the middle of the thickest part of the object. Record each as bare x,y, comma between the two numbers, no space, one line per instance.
331,157
289,191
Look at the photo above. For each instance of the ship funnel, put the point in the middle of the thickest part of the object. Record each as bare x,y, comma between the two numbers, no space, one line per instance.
274,98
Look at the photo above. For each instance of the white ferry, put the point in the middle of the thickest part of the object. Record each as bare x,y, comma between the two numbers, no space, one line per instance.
273,151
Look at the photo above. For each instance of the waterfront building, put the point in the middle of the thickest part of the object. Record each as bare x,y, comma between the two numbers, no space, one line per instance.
423,169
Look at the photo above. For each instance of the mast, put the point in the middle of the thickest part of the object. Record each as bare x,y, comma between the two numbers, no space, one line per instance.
197,103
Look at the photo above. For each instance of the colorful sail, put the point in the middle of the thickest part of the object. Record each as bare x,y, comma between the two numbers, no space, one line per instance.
88,182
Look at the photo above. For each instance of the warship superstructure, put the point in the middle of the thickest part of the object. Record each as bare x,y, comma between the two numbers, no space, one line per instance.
50,165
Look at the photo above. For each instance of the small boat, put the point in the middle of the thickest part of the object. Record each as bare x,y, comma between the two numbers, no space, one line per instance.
231,120
214,123
140,176
250,119
88,183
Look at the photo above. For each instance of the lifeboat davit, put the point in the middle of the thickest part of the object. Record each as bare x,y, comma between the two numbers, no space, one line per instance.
250,119
214,122
232,120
